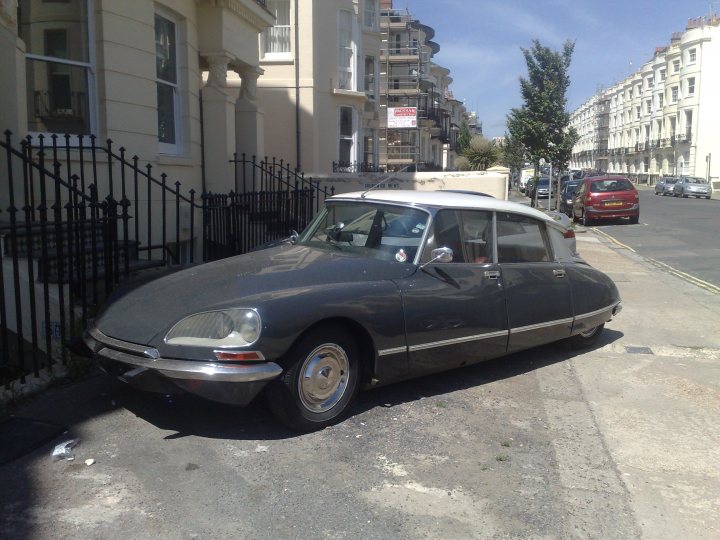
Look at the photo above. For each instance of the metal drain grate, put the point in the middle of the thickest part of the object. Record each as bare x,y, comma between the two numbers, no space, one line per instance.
638,350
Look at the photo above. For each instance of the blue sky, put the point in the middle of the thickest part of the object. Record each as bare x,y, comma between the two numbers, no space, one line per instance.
480,43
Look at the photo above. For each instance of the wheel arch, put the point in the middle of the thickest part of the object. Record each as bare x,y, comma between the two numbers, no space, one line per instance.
365,343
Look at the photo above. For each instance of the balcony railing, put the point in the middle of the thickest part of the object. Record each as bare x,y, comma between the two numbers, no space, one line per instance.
356,167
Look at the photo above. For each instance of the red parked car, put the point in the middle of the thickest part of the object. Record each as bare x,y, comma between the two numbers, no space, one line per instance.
605,197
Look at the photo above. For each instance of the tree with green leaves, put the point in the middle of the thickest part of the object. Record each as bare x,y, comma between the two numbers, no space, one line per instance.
513,152
541,124
464,137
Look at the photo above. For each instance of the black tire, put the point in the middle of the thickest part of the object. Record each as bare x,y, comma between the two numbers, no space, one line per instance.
586,339
708,197
684,196
330,354
634,220
586,220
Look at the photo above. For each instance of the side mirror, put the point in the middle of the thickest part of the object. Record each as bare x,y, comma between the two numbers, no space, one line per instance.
443,255
294,236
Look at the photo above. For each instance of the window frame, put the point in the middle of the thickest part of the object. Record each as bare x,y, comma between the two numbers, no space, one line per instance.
374,12
374,78
690,86
90,78
277,56
176,148
692,55
352,138
349,71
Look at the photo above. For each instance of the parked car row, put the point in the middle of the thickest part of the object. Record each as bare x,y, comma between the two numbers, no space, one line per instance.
683,186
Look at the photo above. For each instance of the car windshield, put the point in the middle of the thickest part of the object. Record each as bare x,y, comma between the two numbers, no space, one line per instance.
671,180
369,229
571,187
543,182
695,180
610,185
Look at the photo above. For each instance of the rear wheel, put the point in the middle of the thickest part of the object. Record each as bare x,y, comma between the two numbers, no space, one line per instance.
585,219
684,196
321,381
634,220
587,338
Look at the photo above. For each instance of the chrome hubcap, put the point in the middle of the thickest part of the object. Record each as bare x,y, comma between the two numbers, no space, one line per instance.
324,378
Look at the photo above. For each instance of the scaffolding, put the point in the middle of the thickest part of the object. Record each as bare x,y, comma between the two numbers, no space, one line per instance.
403,61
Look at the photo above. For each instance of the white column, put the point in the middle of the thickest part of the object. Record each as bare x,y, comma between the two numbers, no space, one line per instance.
218,102
249,117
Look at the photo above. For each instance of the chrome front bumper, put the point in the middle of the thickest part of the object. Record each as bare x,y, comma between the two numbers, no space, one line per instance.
142,367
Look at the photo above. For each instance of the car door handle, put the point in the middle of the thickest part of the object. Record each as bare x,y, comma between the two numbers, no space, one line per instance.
559,273
492,274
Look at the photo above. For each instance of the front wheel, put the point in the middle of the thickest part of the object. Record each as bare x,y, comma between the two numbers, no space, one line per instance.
634,220
320,382
587,338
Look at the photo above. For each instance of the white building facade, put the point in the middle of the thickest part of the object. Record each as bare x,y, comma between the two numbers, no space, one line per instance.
319,88
664,119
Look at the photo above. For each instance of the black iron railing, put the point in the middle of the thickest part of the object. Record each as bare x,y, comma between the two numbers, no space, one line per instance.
77,218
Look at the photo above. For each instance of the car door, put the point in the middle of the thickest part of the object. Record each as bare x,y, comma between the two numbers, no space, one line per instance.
537,290
455,312
577,201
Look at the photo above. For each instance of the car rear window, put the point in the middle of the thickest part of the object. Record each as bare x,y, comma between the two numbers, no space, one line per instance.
610,185
696,180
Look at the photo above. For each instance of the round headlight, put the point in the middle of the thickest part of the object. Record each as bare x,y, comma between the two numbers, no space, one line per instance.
226,328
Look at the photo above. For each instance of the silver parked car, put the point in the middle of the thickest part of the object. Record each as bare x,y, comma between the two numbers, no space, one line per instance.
665,186
695,186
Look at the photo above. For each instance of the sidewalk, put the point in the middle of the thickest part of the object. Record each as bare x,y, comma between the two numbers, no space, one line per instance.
659,411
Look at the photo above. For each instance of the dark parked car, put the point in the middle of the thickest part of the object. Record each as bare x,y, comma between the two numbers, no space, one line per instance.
540,185
566,195
691,186
665,186
382,286
605,197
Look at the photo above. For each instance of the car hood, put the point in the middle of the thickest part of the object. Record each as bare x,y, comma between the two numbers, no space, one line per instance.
247,280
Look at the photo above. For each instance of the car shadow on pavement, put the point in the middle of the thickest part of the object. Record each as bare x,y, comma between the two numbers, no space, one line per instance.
188,415
505,367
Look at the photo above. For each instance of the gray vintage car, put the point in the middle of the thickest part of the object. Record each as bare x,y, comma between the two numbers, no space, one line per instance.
381,286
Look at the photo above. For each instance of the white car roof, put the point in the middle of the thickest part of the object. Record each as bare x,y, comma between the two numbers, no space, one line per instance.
443,199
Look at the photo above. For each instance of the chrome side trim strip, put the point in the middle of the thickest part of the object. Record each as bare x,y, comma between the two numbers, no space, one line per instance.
596,312
396,350
457,341
539,326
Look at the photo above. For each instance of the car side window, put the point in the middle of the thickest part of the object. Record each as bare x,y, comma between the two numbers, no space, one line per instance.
521,239
468,233
476,236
